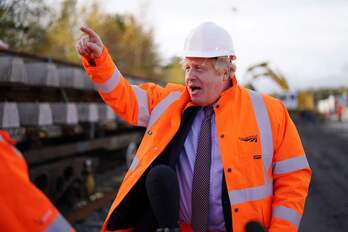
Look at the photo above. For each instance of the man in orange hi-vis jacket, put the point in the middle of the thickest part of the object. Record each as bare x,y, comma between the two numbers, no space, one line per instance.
215,156
23,206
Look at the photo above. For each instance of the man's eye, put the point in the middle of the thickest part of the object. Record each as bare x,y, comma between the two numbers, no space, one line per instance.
199,68
187,68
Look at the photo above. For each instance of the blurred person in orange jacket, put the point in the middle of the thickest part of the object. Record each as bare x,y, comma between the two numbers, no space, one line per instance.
339,107
339,112
23,206
215,156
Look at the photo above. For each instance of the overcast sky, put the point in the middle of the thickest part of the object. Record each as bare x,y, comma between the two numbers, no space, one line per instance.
307,40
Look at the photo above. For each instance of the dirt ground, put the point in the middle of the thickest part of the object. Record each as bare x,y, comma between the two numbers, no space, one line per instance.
326,146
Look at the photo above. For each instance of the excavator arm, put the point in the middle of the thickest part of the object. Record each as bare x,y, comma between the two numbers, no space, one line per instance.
264,70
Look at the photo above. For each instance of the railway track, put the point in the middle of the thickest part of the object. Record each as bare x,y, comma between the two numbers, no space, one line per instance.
89,215
67,135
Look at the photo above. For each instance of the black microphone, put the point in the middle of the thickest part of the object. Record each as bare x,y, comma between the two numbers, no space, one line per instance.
254,226
163,192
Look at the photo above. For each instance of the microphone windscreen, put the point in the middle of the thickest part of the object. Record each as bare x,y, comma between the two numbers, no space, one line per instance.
254,226
163,192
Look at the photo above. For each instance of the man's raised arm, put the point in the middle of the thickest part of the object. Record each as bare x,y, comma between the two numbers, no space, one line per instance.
133,103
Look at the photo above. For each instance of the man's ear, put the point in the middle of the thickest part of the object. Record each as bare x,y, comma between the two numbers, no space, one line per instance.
226,75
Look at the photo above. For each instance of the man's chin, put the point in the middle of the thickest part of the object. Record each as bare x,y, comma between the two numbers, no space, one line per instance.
197,102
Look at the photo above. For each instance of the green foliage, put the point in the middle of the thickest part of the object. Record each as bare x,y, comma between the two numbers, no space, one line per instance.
34,27
127,41
60,36
23,23
173,71
324,93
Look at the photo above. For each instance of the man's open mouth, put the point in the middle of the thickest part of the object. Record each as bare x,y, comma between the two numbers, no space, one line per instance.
195,89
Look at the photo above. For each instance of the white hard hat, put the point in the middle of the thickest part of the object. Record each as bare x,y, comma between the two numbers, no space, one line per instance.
208,40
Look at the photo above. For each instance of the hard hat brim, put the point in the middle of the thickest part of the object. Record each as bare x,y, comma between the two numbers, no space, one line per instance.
209,54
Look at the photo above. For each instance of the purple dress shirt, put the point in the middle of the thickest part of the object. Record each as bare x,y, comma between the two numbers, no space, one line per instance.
184,170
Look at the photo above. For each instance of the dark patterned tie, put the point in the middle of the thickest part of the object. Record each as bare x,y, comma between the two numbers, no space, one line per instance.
201,175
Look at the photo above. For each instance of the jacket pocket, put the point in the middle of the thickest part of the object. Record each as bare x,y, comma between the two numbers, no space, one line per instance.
252,170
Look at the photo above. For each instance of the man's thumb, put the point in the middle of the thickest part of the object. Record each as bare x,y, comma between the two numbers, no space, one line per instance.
92,46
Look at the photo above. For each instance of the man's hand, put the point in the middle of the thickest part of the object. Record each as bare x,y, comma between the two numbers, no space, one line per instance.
90,45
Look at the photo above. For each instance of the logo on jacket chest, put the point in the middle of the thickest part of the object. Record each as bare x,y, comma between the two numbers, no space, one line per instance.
250,139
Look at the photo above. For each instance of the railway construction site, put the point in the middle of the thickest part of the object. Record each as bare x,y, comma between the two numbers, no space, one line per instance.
326,149
78,150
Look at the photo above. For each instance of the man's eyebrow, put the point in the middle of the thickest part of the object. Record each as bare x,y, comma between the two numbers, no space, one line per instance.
199,64
203,64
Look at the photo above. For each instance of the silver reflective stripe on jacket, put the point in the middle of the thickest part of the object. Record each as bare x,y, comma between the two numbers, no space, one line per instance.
15,150
59,225
264,125
143,106
156,113
134,164
162,106
250,194
290,165
287,214
110,84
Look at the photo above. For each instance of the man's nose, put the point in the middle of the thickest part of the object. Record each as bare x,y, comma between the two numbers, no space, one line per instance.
190,75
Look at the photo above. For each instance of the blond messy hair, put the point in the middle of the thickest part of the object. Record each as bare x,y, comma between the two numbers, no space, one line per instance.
222,63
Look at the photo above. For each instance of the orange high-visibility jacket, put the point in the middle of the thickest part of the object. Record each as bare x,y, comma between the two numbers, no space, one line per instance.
22,206
265,167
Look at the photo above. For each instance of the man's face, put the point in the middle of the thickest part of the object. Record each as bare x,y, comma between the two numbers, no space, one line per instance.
203,82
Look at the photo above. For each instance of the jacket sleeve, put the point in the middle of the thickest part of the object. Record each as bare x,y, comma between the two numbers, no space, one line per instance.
291,177
133,103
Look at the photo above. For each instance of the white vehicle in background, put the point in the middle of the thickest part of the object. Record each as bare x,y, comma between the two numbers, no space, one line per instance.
290,100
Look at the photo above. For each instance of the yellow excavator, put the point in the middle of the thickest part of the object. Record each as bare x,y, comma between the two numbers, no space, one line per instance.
264,70
295,101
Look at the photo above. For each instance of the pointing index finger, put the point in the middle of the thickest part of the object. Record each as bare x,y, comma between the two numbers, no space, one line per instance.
88,31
